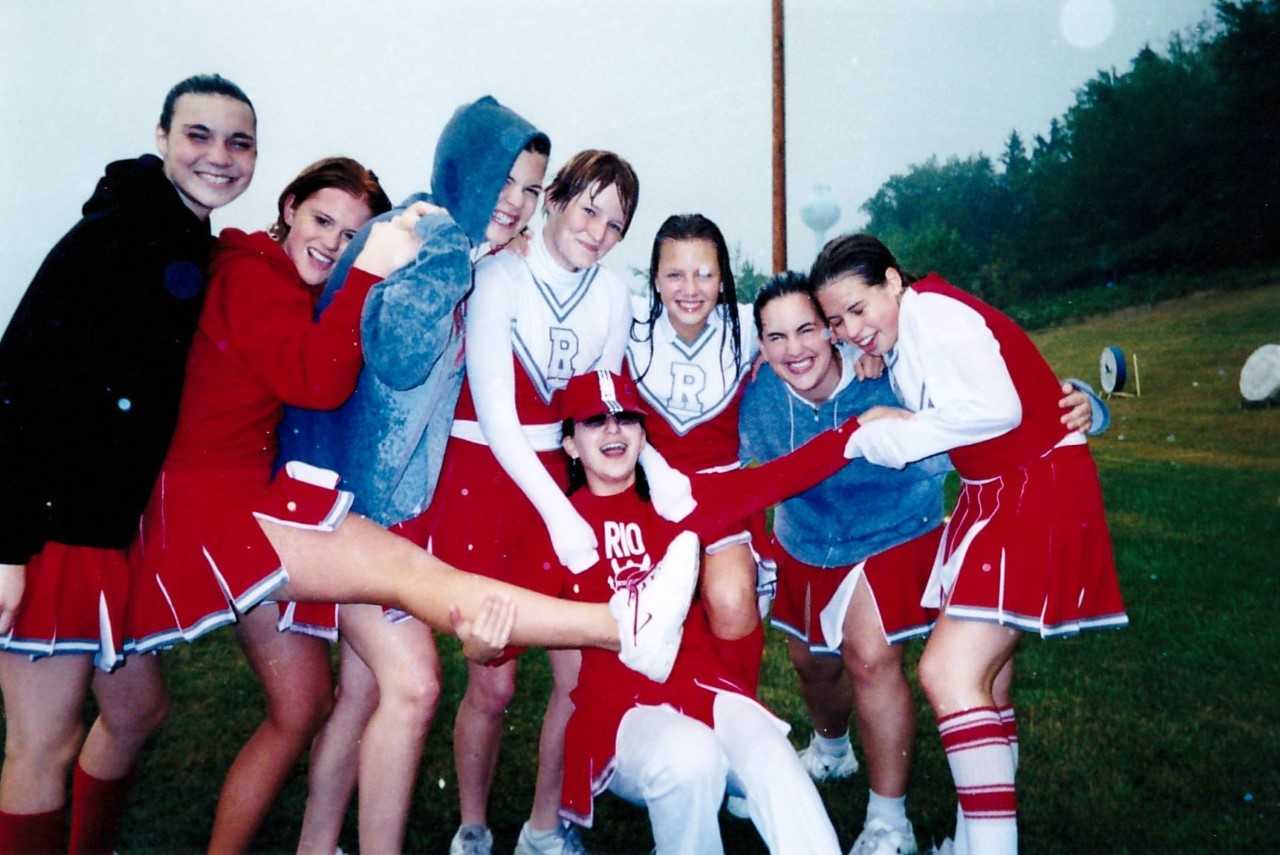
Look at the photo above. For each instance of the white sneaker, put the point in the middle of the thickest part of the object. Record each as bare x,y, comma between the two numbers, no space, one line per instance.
651,612
822,766
564,842
880,838
472,840
737,806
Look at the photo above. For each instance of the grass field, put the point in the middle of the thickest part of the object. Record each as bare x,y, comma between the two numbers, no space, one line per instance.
1160,738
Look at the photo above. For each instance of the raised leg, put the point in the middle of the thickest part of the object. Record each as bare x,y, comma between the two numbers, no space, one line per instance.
363,563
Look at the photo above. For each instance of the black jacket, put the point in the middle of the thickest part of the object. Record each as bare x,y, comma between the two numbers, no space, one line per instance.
92,362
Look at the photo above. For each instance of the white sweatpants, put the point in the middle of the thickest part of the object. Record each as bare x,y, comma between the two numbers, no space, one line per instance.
678,768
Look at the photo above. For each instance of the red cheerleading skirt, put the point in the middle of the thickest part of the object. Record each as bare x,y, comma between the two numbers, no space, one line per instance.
812,602
75,602
201,558
1031,549
480,521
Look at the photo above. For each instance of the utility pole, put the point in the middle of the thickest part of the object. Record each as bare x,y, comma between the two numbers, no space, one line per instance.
779,145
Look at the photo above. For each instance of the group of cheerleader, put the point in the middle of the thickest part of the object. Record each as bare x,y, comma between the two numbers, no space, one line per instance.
447,416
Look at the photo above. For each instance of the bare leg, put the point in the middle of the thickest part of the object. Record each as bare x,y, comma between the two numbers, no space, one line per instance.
43,704
132,703
1002,694
957,672
1002,687
546,791
477,736
335,753
729,592
407,669
825,687
294,672
882,698
959,665
364,563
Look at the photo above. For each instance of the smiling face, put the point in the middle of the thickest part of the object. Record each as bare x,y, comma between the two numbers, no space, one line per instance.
209,150
863,315
320,227
518,198
608,446
586,228
797,346
688,282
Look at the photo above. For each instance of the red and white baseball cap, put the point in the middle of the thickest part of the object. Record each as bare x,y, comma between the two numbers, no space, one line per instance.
598,393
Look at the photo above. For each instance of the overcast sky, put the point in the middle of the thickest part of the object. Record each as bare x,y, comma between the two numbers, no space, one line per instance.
681,89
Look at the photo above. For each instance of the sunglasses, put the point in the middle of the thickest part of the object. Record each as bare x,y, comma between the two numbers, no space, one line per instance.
625,418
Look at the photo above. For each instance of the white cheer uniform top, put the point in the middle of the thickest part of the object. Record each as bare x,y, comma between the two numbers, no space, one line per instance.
694,388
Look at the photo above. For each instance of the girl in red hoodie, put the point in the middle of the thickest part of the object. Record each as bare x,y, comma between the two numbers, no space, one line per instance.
220,535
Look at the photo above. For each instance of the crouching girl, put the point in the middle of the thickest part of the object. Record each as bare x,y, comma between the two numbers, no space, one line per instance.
675,746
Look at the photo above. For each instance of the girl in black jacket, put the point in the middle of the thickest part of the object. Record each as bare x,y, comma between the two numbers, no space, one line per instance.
91,370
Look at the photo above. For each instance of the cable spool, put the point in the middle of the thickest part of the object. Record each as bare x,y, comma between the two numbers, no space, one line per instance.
1260,376
1112,370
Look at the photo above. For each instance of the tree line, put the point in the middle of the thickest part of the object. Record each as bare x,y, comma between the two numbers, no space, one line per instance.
1173,164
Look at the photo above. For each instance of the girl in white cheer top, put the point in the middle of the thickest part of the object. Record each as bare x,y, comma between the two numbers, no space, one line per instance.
853,556
690,352
532,324
1026,548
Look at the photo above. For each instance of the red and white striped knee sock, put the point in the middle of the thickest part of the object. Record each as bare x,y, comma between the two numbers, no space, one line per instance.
982,768
24,833
1010,723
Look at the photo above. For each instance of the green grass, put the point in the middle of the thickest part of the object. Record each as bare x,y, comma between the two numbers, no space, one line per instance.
1160,738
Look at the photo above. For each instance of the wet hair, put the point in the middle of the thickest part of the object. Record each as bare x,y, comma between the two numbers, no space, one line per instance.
578,473
202,84
594,170
539,143
780,285
341,173
860,255
682,227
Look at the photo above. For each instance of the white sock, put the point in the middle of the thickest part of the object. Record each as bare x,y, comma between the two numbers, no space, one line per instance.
538,838
961,842
891,809
832,745
1010,722
982,768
